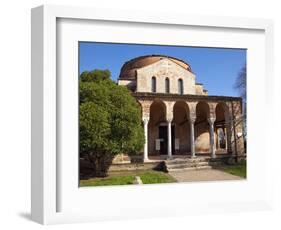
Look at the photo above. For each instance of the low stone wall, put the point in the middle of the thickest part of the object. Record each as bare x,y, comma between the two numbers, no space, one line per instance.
86,168
228,160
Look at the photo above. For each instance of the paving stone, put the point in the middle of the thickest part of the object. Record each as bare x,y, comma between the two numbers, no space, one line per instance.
203,175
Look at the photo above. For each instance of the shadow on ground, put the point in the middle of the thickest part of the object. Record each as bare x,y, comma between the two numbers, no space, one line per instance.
25,215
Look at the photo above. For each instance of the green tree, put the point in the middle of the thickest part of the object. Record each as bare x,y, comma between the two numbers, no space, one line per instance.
110,120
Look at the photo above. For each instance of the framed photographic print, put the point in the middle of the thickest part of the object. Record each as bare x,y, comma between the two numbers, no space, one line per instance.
140,114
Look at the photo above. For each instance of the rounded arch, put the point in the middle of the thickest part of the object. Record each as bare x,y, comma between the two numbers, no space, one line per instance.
222,111
222,127
202,111
181,127
201,127
180,112
157,111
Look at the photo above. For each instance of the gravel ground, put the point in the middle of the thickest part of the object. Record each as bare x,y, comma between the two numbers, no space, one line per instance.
203,175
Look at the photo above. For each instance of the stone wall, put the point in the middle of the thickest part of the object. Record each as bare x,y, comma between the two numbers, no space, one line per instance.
130,84
163,69
182,132
199,89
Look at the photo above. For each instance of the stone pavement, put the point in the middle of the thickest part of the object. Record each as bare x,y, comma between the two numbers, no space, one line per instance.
203,175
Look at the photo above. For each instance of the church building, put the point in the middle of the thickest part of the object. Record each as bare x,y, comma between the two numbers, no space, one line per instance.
179,117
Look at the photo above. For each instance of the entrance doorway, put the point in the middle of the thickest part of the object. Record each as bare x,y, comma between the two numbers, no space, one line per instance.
163,136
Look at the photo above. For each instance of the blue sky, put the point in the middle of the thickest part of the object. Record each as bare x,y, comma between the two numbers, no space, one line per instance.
216,68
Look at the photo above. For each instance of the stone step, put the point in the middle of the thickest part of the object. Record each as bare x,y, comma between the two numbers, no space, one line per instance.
186,165
189,169
186,161
189,160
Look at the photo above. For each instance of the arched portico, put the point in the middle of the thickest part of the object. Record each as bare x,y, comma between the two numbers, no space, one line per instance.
184,128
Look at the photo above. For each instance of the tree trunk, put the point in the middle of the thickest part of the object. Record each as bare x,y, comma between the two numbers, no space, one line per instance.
101,163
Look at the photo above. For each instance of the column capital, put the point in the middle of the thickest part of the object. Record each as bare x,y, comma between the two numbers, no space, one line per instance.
145,119
192,119
169,110
145,107
211,120
169,120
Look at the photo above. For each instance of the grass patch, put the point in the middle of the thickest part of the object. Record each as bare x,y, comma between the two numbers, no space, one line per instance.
128,177
237,170
154,177
111,180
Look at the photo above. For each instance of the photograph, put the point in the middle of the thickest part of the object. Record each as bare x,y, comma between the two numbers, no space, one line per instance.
151,114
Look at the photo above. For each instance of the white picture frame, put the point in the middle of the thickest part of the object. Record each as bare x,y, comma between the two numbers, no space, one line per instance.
49,188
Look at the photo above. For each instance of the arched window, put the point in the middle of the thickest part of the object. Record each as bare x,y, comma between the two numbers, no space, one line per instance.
153,84
167,85
180,86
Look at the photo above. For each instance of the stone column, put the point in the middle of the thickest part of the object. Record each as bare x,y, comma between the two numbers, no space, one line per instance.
225,138
145,147
169,118
169,139
217,141
211,121
192,144
228,131
232,136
